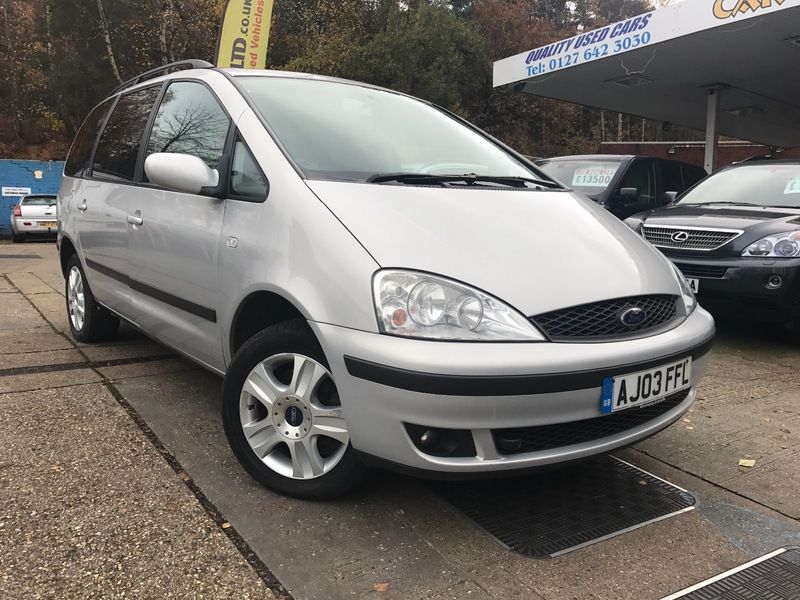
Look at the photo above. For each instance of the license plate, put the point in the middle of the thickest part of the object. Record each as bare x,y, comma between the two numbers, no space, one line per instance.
48,224
694,284
645,387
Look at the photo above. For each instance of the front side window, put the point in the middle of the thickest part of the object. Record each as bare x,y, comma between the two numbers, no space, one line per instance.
350,132
80,155
767,184
118,149
190,121
247,179
640,177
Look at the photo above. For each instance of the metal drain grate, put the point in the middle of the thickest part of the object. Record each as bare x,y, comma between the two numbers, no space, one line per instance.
555,512
775,576
23,256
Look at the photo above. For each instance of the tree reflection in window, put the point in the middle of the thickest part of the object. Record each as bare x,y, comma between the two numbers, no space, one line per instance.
118,149
190,121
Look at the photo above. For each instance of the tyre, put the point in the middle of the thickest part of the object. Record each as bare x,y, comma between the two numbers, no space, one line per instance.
283,417
17,238
88,321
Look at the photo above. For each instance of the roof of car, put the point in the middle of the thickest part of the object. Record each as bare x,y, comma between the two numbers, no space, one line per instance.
608,157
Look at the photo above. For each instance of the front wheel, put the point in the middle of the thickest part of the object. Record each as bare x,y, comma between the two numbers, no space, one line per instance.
283,417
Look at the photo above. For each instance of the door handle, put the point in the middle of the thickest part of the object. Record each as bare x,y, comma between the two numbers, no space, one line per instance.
135,221
82,206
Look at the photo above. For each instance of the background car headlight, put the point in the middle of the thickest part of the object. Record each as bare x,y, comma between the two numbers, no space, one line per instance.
420,305
689,299
780,245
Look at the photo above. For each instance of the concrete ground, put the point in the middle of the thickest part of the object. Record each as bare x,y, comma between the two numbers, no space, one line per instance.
115,480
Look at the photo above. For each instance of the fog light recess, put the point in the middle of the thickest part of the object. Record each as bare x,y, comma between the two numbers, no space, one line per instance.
451,443
775,282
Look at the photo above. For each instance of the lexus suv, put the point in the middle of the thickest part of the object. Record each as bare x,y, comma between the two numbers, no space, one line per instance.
736,237
378,281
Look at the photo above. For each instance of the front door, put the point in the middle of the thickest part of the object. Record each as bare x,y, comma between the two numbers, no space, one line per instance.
174,248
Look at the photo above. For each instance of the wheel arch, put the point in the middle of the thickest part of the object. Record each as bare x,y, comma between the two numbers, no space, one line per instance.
65,250
257,311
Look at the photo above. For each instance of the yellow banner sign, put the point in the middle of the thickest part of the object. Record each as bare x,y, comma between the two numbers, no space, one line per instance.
244,34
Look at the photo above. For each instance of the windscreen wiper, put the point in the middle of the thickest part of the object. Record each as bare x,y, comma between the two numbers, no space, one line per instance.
729,204
468,179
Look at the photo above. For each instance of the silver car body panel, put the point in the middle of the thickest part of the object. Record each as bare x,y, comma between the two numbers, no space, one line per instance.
318,244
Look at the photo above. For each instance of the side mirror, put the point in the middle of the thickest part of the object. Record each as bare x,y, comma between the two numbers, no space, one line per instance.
670,197
181,172
630,194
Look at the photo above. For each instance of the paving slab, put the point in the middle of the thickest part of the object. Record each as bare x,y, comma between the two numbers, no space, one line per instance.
398,531
39,338
109,528
45,358
47,380
29,284
145,369
16,313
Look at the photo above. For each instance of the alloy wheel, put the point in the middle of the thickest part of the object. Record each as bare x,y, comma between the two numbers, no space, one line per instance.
76,298
292,418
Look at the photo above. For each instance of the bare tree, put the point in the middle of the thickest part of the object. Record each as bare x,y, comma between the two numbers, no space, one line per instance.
107,38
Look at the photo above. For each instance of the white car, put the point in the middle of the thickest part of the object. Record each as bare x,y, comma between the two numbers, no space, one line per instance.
35,216
377,280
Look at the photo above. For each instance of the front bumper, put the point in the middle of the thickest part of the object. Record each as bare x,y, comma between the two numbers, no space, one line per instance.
742,286
388,383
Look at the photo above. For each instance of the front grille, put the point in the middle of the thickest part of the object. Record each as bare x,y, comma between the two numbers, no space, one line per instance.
561,435
602,320
695,239
705,271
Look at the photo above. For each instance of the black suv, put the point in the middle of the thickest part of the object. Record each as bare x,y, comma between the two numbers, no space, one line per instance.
625,185
736,237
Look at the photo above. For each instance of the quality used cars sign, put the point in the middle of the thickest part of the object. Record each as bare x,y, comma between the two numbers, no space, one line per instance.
244,34
691,16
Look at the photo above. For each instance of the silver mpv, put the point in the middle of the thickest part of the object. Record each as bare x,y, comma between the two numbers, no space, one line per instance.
379,281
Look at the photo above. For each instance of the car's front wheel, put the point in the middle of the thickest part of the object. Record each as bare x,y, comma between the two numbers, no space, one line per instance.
283,417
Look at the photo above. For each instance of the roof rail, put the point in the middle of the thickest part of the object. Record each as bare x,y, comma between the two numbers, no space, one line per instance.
176,66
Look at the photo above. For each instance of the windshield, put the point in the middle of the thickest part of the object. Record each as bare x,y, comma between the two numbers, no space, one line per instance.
761,185
587,176
39,201
350,132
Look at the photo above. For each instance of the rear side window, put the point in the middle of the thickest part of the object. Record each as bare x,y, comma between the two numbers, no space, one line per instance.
118,149
671,180
692,175
190,121
80,155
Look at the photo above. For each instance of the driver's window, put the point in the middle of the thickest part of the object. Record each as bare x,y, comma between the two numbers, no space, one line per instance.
640,176
190,121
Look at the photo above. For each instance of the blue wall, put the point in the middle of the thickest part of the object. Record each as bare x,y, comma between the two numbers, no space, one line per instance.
22,173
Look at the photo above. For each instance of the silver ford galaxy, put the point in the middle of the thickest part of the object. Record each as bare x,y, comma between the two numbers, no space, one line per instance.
378,281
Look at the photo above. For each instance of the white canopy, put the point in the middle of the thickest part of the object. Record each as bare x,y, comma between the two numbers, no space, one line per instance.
727,66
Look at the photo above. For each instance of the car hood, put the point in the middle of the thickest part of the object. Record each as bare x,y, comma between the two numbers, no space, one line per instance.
537,250
722,217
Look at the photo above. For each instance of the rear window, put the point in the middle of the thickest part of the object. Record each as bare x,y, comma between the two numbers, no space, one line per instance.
80,155
38,201
587,176
118,149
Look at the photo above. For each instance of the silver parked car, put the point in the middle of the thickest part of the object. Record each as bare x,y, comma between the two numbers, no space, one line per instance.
378,281
34,216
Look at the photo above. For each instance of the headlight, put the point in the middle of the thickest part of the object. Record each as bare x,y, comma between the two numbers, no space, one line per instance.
689,299
419,305
780,245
